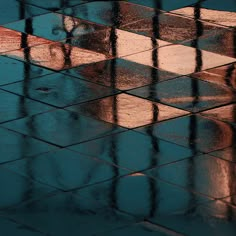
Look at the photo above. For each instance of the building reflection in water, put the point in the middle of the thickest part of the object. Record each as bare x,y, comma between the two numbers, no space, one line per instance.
145,191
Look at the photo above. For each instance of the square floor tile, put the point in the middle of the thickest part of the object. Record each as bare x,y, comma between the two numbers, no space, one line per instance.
15,146
166,5
141,229
203,174
14,10
224,113
10,227
54,26
127,111
17,189
112,13
63,213
172,28
53,5
62,128
221,17
228,154
120,74
195,132
186,93
57,56
65,169
213,218
140,196
60,90
12,40
180,59
223,75
15,107
133,151
13,71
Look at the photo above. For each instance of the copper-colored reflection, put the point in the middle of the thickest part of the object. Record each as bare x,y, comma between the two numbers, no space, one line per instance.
220,17
226,113
137,174
220,135
228,154
171,27
116,43
12,40
58,56
224,75
129,111
180,59
116,13
218,177
120,73
130,43
96,47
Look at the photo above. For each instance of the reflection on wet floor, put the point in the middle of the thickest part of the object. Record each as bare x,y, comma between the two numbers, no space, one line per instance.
118,118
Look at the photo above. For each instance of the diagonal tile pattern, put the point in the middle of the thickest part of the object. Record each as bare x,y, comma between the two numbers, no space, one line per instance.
187,93
67,170
16,146
120,74
133,151
15,10
110,13
211,11
53,5
221,173
13,107
59,90
195,132
54,26
132,111
62,128
117,117
14,71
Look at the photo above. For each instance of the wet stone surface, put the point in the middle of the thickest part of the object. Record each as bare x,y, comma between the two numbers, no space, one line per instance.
60,90
202,174
133,151
187,93
117,118
131,114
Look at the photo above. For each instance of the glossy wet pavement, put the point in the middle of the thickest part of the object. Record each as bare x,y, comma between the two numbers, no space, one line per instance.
118,118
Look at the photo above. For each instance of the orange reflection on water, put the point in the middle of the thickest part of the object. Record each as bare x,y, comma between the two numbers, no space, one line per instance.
180,59
130,111
130,43
58,56
12,40
224,75
220,17
116,43
225,113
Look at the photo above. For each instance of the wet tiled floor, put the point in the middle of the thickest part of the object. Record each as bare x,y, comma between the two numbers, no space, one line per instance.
118,118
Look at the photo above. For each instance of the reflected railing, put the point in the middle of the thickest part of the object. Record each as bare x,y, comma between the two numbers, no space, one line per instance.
193,126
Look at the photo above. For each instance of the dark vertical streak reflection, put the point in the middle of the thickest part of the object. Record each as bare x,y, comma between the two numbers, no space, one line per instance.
23,106
199,33
114,138
191,167
232,172
195,95
234,42
230,70
229,76
153,94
